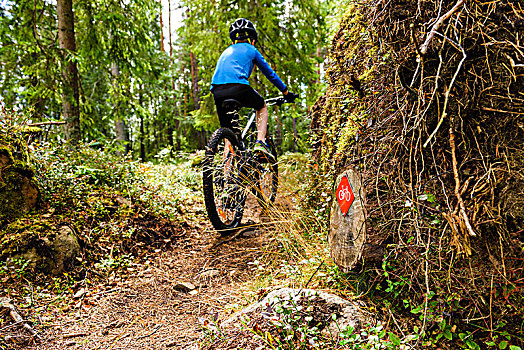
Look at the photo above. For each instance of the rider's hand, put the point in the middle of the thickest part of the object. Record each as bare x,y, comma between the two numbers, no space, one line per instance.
290,97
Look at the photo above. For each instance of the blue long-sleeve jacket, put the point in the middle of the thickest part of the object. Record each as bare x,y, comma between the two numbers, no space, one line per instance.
236,64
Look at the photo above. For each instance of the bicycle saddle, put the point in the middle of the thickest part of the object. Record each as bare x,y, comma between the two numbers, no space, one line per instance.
231,105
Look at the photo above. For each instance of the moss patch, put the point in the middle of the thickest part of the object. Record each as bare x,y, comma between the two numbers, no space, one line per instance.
18,188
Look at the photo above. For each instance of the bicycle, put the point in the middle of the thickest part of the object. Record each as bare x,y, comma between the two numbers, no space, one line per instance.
231,170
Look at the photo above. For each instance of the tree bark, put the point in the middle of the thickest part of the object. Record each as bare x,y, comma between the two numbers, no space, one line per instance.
162,28
142,135
120,125
70,94
169,26
142,141
173,132
194,79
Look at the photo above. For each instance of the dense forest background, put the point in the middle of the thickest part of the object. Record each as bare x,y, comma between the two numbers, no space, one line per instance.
132,78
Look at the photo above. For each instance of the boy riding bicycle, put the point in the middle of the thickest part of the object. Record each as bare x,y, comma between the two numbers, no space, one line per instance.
230,81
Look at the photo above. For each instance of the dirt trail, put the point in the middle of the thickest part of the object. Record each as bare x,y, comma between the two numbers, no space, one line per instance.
146,310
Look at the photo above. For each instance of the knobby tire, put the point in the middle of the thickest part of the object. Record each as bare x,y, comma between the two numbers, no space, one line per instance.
225,210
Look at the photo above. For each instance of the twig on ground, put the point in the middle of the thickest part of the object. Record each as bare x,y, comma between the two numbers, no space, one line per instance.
10,326
150,333
122,335
235,236
74,335
106,292
5,303
396,323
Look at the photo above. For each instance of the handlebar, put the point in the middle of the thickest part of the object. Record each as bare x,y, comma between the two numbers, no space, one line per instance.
276,101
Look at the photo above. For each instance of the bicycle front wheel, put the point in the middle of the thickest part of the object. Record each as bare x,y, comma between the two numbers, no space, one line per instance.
224,192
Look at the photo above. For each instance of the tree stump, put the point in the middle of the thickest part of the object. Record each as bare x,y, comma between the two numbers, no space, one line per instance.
18,189
347,233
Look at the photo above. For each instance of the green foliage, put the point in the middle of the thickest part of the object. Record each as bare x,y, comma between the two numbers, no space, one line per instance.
73,179
205,118
17,267
293,323
111,262
107,33
150,91
370,337
29,57
212,329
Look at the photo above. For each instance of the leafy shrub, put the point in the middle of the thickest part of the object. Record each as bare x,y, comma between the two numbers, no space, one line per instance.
68,177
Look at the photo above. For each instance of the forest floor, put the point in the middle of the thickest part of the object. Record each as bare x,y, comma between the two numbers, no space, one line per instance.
150,305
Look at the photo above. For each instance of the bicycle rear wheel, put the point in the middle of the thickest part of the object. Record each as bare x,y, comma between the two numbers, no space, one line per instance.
267,179
224,192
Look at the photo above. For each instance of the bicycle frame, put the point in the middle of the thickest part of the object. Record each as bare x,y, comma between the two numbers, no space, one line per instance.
276,101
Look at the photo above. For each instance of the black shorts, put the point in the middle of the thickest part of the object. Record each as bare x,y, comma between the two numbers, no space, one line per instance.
245,94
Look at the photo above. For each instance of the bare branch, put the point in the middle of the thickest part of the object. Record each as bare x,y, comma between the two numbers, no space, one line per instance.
436,26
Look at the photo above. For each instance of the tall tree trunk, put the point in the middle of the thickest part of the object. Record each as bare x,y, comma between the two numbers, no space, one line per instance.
201,139
155,131
162,28
120,125
319,66
70,95
194,78
169,26
147,136
175,122
142,141
185,106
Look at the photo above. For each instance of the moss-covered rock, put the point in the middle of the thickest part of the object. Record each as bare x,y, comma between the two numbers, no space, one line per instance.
40,244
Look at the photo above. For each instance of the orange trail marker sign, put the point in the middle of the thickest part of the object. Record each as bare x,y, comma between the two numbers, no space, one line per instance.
345,195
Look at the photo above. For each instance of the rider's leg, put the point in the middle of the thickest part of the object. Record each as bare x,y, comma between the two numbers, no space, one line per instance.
262,118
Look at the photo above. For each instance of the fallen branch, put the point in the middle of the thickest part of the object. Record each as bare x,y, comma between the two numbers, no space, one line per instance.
47,123
74,335
5,303
106,292
500,111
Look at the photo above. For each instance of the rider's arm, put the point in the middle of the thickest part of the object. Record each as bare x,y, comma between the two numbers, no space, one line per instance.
269,73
